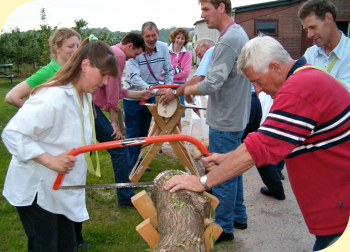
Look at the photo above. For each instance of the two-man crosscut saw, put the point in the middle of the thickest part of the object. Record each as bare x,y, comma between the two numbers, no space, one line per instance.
126,143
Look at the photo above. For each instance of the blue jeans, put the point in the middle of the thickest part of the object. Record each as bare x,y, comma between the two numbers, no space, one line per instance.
229,193
119,157
47,231
137,121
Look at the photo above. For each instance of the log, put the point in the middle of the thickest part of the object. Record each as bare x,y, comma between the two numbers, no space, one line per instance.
180,216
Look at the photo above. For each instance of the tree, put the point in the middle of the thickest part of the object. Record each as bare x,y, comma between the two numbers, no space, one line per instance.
31,49
79,24
6,48
43,44
43,15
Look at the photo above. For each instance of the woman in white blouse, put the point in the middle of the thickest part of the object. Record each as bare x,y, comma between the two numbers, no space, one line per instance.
56,118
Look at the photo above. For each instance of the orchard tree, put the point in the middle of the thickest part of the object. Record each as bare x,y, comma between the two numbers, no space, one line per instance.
43,44
6,48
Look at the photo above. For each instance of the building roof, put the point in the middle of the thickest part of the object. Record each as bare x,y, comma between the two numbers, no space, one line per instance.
264,5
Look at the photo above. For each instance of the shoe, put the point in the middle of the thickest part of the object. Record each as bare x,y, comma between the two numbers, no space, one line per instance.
84,245
129,205
225,237
160,152
240,225
280,175
266,191
148,169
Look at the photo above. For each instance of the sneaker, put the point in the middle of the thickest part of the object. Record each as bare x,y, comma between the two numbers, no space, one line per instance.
240,225
225,237
280,175
266,191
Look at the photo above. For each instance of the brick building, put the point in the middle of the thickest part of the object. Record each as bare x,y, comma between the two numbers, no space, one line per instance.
278,19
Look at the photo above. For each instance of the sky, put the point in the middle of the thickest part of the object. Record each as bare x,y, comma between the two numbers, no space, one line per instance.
118,15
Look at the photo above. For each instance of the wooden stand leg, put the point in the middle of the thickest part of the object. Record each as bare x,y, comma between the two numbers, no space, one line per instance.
212,199
166,126
148,232
211,233
144,205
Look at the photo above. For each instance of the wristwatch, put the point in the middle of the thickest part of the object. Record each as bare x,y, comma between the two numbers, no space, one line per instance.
174,93
203,181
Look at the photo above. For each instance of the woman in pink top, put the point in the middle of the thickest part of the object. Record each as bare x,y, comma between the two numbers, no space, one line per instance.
180,57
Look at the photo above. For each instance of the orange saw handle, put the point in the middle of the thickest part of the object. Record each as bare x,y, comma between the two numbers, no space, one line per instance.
131,142
143,101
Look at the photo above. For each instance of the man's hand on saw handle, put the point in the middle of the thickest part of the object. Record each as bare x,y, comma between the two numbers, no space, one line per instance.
166,95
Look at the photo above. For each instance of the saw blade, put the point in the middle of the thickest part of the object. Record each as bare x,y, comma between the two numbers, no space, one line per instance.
103,186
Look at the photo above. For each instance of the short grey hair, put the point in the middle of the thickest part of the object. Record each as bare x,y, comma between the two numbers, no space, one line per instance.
259,52
201,41
149,25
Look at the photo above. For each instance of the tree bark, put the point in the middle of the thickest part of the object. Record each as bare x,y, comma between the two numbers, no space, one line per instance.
181,217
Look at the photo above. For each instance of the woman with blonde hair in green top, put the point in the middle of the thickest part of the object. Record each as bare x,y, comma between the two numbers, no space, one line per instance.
63,43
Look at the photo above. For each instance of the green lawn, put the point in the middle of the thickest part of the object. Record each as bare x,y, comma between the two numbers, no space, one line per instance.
109,227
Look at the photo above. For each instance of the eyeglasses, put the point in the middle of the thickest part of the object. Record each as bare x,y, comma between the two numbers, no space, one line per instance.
198,54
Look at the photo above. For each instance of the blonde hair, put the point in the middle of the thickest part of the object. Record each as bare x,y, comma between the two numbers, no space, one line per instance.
100,56
57,38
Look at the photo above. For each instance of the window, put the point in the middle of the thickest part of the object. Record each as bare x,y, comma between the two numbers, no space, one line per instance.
268,27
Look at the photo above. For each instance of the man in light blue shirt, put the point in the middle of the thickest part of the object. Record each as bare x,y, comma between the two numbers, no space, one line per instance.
204,51
332,48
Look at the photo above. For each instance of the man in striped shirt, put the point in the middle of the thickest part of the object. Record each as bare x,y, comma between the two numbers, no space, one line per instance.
310,130
142,73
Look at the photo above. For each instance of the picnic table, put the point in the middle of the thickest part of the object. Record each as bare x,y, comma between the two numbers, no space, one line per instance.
5,71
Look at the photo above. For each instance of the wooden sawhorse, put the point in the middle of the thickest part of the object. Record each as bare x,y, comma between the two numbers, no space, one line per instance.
166,126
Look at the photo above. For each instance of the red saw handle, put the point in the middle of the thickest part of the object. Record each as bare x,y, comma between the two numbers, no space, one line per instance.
131,142
143,101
